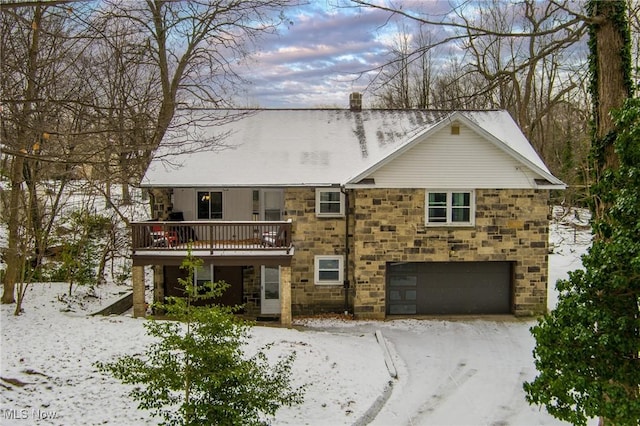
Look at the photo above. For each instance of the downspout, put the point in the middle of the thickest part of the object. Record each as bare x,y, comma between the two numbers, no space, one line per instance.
346,283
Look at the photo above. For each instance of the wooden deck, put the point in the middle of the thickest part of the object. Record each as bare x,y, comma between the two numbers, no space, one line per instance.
156,242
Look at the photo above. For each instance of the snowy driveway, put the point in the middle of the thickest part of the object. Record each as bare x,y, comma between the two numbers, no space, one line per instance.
457,372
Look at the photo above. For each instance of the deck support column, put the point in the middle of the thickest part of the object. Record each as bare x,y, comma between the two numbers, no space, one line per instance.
139,305
285,296
158,284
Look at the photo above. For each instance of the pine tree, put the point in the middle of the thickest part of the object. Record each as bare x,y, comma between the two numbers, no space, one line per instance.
196,372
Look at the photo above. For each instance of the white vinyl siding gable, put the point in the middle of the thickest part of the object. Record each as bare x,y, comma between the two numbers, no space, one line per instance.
454,161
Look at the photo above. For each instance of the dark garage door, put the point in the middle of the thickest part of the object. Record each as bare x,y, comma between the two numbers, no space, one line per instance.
424,288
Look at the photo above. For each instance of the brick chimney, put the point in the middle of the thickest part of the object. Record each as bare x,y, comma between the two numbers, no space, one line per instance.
355,101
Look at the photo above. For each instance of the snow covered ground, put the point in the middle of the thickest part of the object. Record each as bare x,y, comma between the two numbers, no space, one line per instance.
449,372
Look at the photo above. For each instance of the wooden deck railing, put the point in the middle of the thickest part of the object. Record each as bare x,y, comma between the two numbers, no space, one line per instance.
210,235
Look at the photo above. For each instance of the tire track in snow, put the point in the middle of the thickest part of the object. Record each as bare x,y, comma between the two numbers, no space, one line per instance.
506,412
457,378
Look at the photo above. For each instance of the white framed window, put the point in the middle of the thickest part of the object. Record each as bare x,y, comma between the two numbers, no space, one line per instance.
329,270
450,208
202,275
329,202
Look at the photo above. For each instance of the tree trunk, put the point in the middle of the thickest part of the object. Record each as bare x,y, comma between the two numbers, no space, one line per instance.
611,85
17,172
126,193
13,255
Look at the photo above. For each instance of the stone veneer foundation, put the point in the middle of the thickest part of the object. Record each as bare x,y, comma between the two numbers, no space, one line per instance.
388,225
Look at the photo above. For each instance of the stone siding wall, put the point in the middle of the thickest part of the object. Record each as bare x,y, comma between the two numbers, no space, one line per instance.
313,236
388,225
251,290
158,284
510,225
161,204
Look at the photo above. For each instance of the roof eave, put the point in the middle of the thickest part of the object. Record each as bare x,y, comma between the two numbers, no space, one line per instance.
244,185
510,151
550,186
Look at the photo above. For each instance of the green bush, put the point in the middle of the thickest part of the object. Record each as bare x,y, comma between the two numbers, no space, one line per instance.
196,373
588,349
82,249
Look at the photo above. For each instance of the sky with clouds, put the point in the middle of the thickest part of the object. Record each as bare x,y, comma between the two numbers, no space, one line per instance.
316,60
331,48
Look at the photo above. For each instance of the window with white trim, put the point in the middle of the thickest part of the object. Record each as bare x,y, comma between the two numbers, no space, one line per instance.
202,275
329,270
450,208
329,202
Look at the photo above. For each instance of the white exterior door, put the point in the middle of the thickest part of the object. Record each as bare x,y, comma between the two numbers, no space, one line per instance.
270,290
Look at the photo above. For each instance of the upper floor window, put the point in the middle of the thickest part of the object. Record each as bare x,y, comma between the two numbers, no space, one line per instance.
450,208
329,202
209,204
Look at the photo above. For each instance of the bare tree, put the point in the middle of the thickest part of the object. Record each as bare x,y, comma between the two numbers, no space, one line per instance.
99,84
423,75
527,57
396,76
407,81
125,97
190,48
634,27
36,122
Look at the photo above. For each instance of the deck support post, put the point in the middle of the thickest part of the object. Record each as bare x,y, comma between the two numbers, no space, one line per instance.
285,296
139,305
158,284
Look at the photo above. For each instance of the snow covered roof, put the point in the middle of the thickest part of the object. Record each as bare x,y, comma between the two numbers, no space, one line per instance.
318,147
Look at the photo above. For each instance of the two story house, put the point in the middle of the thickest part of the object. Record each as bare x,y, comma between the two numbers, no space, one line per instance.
373,212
